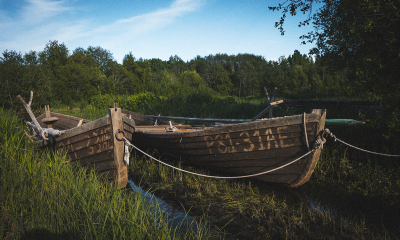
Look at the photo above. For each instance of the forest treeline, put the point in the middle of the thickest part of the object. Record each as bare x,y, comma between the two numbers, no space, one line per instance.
58,75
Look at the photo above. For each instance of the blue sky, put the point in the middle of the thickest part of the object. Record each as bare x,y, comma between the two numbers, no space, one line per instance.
151,28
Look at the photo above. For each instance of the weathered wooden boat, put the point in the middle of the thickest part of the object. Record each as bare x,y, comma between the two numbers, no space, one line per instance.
93,144
242,148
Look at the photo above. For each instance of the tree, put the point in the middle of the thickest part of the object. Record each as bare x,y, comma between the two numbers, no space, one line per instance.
191,82
141,71
298,59
54,55
164,86
362,36
119,80
80,78
100,55
176,65
11,71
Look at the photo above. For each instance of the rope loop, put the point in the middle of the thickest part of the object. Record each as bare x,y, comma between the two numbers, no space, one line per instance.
123,133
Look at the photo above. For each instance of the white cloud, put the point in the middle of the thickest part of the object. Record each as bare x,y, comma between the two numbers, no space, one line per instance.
123,33
39,21
38,11
149,21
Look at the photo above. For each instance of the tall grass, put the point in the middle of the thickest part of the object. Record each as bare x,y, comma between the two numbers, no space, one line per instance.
43,197
247,209
363,189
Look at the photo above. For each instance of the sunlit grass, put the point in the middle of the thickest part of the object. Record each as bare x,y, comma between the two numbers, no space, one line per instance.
42,196
368,185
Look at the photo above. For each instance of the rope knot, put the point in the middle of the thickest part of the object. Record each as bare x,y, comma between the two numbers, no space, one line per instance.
328,133
171,128
319,144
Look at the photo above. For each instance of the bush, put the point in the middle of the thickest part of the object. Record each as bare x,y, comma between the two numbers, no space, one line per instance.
128,102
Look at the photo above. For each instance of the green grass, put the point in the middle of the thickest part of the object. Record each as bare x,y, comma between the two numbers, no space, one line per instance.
362,190
43,197
358,193
247,209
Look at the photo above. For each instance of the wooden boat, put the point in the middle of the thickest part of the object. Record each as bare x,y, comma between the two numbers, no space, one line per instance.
93,144
242,148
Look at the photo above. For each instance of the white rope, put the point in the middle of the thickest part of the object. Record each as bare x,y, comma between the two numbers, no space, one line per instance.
327,131
318,144
126,155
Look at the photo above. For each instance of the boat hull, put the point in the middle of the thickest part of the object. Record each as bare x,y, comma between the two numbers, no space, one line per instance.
245,148
93,144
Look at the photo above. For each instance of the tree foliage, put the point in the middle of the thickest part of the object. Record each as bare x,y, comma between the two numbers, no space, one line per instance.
56,75
360,35
360,38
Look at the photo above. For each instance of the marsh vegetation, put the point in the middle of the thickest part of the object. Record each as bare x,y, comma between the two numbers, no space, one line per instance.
350,195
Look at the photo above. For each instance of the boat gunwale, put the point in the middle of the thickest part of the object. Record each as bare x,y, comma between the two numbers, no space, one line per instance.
237,127
68,133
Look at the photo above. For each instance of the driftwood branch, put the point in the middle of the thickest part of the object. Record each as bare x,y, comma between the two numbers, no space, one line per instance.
29,110
266,94
270,99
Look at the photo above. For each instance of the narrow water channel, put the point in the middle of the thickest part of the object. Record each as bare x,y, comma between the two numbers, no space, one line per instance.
175,216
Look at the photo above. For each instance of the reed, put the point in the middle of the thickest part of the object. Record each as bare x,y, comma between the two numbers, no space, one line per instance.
43,197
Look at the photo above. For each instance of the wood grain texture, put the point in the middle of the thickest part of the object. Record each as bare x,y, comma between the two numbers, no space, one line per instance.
64,121
244,148
121,166
93,144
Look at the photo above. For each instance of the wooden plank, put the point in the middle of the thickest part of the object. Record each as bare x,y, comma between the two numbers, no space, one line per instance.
269,157
309,169
216,147
249,170
85,128
92,150
229,139
103,156
94,145
86,138
129,124
117,124
65,122
72,147
230,128
245,148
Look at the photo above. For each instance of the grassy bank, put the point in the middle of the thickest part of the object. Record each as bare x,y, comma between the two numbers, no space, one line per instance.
351,194
42,197
248,209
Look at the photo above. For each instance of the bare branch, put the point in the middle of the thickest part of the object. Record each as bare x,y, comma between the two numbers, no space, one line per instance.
29,110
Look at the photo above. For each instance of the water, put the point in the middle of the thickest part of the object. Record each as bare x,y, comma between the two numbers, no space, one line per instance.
176,218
